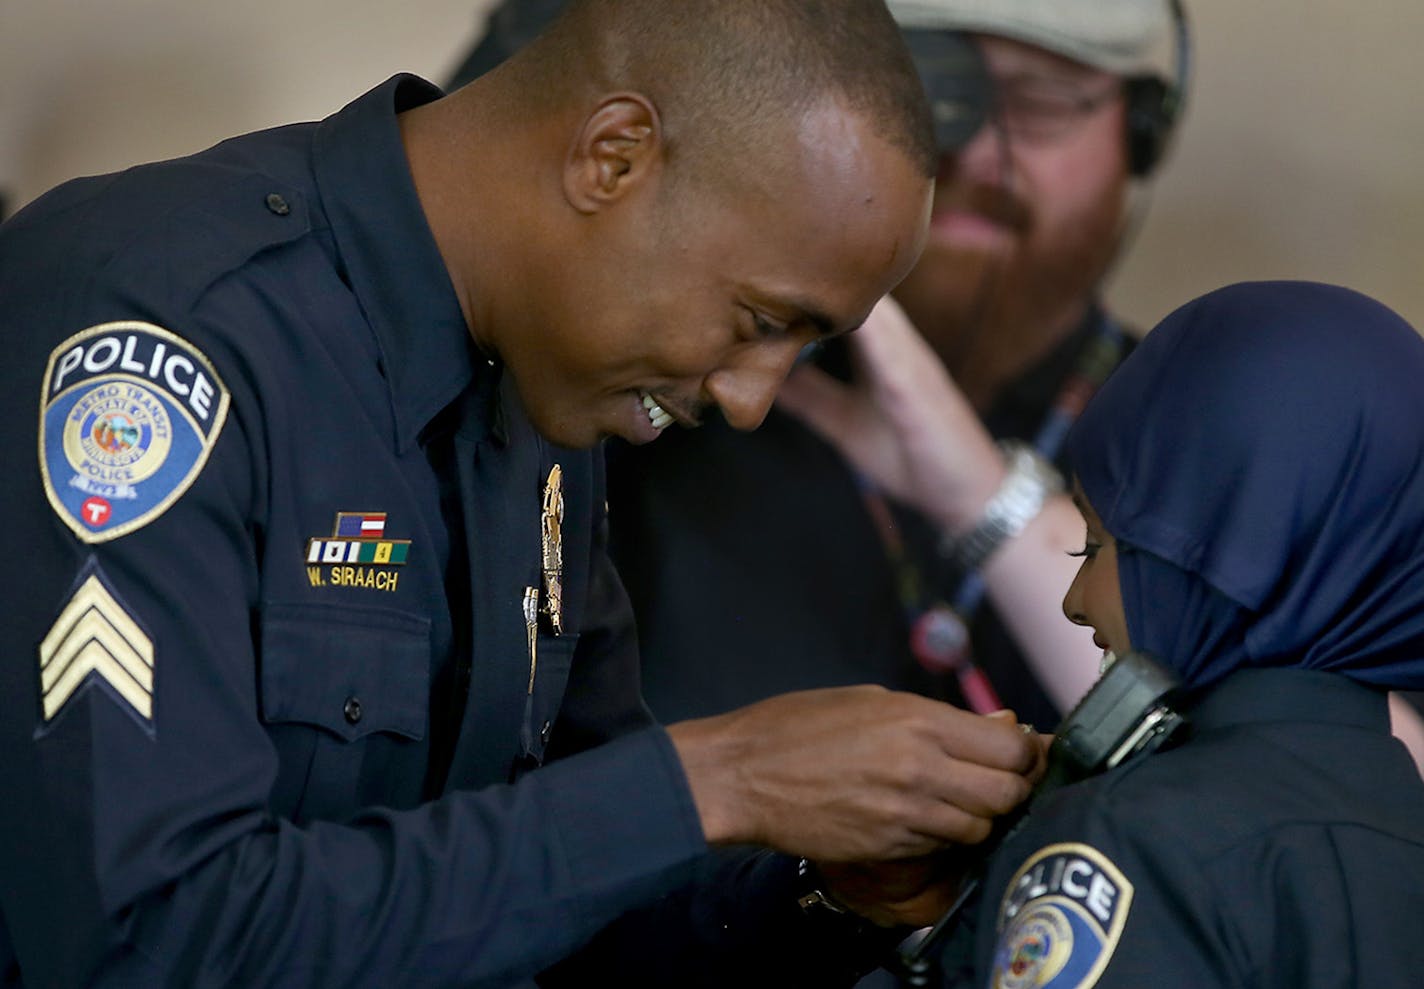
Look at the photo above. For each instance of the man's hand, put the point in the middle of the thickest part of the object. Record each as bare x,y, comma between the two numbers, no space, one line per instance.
908,892
912,892
903,423
855,774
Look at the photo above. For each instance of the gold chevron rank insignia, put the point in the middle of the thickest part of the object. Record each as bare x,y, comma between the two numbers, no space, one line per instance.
95,641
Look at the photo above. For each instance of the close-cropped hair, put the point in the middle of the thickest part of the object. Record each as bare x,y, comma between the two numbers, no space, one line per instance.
716,70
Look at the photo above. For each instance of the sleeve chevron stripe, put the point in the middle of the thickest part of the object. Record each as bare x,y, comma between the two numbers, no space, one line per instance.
95,636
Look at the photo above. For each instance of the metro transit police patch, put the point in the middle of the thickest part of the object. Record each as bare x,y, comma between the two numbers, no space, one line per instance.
129,414
1060,919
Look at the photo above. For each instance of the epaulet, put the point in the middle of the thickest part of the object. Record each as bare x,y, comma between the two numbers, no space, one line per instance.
212,221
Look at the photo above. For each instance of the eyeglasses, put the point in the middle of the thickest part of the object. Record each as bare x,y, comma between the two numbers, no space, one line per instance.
1041,112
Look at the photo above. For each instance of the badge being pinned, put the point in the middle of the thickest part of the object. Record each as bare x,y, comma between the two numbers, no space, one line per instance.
551,540
129,415
1060,919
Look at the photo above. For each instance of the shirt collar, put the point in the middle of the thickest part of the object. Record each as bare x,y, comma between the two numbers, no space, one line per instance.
1264,695
390,255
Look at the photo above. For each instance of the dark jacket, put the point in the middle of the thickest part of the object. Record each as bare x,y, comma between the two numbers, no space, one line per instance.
1281,846
247,744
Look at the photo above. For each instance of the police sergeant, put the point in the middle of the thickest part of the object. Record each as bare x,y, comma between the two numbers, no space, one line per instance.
422,758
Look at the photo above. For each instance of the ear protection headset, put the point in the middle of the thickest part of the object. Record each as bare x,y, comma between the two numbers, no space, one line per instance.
1154,106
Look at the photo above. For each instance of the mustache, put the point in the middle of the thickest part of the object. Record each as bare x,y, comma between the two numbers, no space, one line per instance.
992,202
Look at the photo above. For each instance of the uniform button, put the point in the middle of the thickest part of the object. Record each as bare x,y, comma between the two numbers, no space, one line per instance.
545,731
352,710
279,206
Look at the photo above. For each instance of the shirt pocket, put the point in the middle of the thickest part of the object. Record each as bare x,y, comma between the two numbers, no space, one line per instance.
544,700
352,671
339,687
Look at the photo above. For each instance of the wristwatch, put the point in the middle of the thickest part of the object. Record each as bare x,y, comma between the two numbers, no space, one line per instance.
844,941
1031,480
810,895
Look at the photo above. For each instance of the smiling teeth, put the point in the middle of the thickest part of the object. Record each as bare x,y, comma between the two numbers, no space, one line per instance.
656,415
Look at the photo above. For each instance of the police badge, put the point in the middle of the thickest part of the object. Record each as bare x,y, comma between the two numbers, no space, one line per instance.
129,415
551,542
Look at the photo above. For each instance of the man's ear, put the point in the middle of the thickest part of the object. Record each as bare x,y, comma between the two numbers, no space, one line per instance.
619,146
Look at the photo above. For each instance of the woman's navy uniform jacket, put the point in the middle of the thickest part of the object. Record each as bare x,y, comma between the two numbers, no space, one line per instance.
1259,464
1283,845
267,678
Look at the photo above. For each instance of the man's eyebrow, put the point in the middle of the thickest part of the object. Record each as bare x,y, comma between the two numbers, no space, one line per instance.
801,311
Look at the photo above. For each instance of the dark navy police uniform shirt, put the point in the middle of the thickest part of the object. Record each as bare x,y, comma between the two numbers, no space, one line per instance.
1281,846
264,599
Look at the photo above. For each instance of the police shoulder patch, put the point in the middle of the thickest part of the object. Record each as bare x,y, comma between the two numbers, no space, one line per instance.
1060,919
128,416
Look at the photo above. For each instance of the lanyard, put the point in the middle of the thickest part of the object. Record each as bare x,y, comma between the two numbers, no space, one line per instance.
939,631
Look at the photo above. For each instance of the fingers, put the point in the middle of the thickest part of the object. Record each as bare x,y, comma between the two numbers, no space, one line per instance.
959,804
983,792
937,773
891,351
821,401
888,333
995,740
842,415
857,773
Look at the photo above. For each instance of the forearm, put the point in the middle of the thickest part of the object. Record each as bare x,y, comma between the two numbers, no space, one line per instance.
1026,577
738,923
1408,727
475,888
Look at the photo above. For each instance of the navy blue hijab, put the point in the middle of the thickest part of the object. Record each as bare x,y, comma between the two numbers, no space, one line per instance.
1259,459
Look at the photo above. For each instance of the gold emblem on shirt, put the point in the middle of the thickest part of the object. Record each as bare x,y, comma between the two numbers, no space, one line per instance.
551,542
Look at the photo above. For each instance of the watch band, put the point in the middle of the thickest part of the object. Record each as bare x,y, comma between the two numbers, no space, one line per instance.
1030,481
810,895
844,941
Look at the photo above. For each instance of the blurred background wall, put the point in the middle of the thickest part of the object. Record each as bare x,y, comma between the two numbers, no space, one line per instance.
1300,154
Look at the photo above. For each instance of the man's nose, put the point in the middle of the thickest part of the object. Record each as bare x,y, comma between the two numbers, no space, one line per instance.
745,387
986,159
